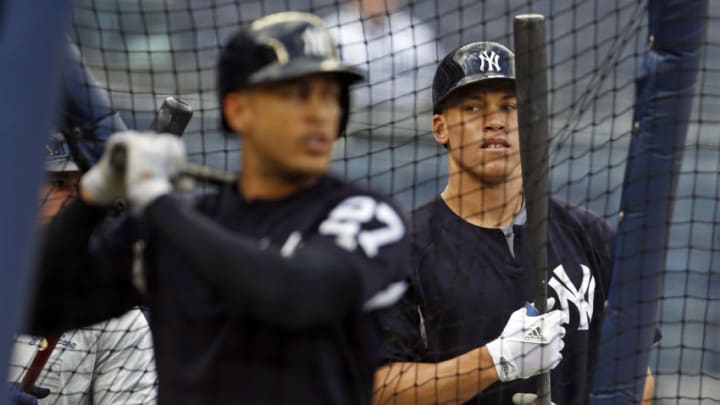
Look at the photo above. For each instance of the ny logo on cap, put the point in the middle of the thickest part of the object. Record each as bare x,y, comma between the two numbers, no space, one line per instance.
317,43
492,60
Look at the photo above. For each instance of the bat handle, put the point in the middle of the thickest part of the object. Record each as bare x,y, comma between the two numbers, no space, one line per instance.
118,158
38,363
531,310
173,117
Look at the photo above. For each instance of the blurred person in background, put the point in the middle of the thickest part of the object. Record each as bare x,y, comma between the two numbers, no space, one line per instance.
111,362
399,53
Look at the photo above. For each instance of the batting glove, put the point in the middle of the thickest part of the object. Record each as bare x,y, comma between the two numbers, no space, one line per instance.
530,344
526,399
152,161
102,185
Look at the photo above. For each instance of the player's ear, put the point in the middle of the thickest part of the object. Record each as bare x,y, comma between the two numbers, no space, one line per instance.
440,131
236,111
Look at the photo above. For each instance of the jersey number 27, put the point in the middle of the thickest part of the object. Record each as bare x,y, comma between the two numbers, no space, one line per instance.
347,223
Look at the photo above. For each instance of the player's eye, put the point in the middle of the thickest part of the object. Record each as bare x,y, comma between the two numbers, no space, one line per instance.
331,94
295,91
508,107
472,108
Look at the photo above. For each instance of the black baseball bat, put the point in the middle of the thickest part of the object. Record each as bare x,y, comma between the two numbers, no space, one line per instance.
532,89
38,363
173,117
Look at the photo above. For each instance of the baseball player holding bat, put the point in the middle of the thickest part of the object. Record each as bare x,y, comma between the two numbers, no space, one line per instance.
268,290
463,335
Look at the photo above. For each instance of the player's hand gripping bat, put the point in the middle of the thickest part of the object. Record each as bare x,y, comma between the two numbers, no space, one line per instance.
172,117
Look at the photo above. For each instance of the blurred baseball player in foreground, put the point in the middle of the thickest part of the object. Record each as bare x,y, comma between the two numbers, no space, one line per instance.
266,291
464,335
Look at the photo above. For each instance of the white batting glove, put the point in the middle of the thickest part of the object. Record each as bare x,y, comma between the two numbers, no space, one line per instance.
102,185
529,345
526,399
152,161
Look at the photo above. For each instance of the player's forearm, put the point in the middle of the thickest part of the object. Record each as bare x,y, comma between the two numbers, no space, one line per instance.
312,286
67,236
63,278
451,381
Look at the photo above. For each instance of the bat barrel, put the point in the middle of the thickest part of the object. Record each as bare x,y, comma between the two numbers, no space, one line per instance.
172,117
531,86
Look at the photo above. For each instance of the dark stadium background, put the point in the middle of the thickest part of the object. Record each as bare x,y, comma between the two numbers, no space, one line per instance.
146,50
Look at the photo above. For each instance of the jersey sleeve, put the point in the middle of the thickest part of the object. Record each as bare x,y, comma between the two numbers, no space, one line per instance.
372,233
602,236
84,273
403,326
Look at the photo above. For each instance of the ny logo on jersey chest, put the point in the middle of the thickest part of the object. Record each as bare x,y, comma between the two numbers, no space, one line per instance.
581,298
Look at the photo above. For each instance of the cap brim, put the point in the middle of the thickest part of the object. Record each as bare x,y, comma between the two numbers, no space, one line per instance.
469,80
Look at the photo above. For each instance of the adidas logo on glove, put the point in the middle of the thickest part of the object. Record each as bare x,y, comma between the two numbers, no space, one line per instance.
535,335
530,343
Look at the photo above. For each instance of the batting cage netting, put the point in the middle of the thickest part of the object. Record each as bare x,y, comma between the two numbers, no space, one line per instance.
633,97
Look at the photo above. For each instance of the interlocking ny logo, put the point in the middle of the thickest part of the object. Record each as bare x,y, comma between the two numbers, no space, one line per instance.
581,298
316,43
492,60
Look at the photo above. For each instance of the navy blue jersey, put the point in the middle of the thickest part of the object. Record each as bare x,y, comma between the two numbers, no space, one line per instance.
468,282
211,351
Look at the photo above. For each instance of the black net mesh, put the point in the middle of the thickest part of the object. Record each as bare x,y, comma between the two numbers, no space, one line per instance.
142,51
